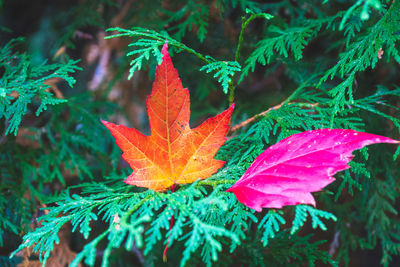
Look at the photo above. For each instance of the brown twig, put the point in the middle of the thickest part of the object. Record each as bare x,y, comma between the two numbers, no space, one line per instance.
52,82
262,114
254,118
117,20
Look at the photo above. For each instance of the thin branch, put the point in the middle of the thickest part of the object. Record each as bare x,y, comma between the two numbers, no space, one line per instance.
255,117
245,23
264,113
287,101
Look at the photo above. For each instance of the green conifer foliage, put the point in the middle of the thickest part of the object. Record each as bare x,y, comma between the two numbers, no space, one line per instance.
289,66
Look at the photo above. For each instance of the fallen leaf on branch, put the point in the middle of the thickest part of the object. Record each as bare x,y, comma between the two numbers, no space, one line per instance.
286,173
173,153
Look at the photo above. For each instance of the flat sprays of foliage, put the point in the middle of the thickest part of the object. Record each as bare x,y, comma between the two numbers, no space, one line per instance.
293,70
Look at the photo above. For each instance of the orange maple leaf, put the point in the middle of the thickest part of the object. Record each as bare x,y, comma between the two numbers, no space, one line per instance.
173,153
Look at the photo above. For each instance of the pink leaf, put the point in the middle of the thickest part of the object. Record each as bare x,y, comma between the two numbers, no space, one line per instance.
287,172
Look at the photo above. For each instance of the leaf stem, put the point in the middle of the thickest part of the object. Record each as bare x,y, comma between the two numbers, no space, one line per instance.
170,228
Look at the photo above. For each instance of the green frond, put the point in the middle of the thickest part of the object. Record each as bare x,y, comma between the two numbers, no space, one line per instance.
22,83
224,71
192,16
301,214
362,54
278,42
270,223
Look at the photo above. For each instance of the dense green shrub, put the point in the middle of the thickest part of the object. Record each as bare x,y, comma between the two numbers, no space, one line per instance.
317,64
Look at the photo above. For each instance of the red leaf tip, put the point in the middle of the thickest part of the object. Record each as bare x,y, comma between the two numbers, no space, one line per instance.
164,50
104,122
